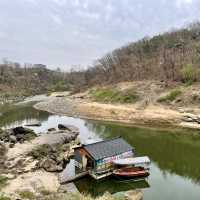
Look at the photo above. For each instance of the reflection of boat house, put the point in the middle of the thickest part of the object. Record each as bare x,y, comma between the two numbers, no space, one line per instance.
97,158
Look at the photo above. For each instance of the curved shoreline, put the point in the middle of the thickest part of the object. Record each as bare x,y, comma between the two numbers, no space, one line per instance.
153,116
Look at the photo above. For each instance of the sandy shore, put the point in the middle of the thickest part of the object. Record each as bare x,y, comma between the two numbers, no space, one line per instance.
130,114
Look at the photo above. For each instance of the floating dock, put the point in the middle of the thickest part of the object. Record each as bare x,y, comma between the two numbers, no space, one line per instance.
70,178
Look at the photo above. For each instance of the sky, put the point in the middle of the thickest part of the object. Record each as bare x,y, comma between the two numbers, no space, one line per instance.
66,33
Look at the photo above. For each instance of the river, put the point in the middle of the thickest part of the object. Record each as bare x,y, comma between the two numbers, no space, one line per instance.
175,154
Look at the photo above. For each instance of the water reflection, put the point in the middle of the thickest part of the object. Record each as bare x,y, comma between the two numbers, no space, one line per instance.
175,171
16,115
174,152
96,188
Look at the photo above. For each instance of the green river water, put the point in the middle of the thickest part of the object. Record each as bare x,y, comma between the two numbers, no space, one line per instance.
175,154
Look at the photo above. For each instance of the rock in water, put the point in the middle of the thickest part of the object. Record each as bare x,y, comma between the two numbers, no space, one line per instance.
70,128
35,124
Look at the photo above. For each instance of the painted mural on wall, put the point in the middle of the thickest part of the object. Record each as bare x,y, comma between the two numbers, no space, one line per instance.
107,162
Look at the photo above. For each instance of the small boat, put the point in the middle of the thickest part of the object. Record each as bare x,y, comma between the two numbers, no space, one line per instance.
127,173
133,161
131,168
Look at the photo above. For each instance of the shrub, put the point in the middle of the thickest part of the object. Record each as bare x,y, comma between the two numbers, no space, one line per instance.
189,74
40,152
171,96
113,95
59,87
3,181
4,198
103,94
44,150
45,192
26,194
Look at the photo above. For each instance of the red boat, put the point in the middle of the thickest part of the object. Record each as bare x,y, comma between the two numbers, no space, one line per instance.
127,173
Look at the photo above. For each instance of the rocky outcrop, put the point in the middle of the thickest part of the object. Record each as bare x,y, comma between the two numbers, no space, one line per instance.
46,153
21,131
18,134
191,118
51,158
51,165
71,128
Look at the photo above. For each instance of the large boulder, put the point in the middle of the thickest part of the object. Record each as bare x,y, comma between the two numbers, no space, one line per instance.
12,139
51,158
51,165
21,130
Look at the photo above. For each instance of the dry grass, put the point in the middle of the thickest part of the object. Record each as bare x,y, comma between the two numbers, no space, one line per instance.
26,194
70,196
87,197
2,197
171,96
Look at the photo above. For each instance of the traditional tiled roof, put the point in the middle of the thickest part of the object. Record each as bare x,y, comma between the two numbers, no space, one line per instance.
108,148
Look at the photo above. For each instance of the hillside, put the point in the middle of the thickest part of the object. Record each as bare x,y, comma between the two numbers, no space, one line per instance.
152,81
18,81
169,57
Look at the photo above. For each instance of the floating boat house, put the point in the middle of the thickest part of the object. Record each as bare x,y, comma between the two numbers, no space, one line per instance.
97,158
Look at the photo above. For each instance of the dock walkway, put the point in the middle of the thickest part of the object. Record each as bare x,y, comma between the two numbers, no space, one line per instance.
70,178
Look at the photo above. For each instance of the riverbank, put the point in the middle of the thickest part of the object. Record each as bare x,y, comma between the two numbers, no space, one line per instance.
30,166
151,115
182,142
31,169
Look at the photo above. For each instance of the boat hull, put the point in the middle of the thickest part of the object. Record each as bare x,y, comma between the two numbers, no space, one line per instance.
131,173
138,177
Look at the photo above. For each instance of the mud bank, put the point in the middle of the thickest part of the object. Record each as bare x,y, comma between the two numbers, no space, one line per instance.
152,115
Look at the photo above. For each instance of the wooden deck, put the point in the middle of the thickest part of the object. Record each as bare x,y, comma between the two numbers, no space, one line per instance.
70,178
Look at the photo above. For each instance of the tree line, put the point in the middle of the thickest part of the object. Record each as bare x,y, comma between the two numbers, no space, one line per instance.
172,56
28,79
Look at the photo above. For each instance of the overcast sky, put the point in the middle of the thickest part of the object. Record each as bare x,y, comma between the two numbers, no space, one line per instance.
71,32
